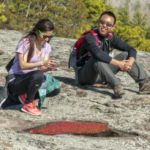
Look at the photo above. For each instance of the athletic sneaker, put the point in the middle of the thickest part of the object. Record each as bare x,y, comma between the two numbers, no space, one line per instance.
31,108
22,98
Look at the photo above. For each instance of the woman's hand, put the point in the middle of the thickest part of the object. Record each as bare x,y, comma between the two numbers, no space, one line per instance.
49,65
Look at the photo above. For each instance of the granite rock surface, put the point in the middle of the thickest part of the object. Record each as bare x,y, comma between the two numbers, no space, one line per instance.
128,117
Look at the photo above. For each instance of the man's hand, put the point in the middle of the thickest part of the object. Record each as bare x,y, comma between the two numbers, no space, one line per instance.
129,63
119,63
124,65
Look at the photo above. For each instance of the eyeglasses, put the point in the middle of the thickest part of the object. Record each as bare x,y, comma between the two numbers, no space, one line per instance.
42,35
102,22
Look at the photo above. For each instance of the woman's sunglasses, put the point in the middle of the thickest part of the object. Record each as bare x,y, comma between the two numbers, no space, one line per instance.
47,36
42,35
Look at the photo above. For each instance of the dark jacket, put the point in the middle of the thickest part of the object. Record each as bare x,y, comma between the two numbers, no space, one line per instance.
102,51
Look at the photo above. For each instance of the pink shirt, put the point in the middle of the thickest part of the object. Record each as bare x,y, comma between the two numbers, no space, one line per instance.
23,48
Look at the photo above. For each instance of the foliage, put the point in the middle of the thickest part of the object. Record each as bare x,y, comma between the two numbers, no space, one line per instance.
135,36
133,30
139,19
148,33
72,17
123,16
94,9
2,16
72,20
69,15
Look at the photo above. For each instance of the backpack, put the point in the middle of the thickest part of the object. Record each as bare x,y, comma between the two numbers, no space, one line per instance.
49,85
78,53
5,96
10,63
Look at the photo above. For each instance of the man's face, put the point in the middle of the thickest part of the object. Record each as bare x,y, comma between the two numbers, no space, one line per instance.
105,25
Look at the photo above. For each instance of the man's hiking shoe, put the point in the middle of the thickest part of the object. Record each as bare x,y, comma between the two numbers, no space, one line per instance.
22,98
31,109
144,88
118,91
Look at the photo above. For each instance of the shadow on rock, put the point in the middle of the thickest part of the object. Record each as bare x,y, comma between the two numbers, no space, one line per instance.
71,81
66,80
97,90
133,91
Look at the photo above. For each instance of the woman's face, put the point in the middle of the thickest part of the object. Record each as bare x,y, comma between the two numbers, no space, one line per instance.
45,37
105,25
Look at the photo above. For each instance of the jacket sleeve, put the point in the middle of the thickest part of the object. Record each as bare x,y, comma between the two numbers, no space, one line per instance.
121,45
89,44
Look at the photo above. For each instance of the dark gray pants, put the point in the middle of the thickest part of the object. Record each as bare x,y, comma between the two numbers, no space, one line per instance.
95,71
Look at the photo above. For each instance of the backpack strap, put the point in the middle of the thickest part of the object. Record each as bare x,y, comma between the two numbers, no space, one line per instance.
79,42
10,63
93,32
75,50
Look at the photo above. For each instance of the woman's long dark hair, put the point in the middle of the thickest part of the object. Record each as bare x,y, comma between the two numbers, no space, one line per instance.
42,25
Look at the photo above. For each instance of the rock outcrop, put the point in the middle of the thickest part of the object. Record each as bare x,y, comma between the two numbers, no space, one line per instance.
129,116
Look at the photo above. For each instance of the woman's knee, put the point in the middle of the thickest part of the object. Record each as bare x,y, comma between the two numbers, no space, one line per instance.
37,76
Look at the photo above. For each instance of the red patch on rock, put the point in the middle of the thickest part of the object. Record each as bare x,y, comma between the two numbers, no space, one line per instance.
67,127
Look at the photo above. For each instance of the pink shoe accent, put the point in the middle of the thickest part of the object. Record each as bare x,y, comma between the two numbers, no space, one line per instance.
31,109
22,98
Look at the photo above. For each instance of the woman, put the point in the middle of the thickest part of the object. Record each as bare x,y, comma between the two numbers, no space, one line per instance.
31,60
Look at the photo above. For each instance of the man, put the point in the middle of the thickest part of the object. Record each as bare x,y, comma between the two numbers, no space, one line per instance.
101,66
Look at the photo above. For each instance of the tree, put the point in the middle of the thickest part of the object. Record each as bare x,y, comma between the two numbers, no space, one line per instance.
94,8
71,20
3,18
139,18
123,15
72,17
148,33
